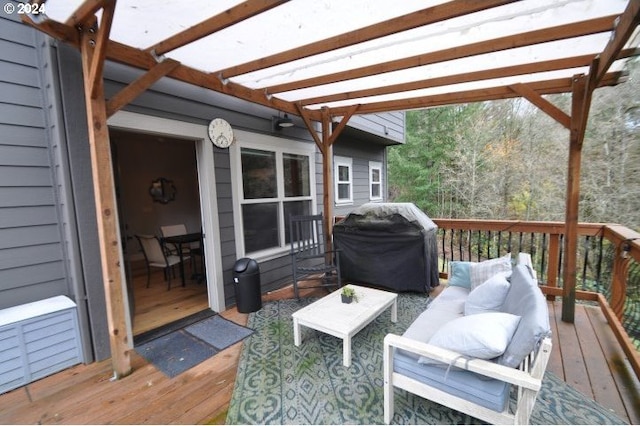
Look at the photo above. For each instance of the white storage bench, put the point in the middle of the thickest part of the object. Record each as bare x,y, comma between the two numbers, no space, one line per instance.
38,339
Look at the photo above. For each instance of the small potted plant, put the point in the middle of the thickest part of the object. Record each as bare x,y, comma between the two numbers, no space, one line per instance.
348,294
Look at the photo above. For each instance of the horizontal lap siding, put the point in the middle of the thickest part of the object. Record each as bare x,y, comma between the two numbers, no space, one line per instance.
31,259
180,101
361,153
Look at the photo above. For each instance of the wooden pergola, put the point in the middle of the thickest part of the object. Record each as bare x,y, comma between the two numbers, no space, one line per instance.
328,60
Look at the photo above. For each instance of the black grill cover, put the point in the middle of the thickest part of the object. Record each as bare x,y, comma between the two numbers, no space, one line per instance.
388,245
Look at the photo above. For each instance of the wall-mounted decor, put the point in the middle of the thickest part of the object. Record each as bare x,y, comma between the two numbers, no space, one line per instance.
220,133
162,190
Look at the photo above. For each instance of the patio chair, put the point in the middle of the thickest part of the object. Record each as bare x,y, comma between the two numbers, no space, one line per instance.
309,258
191,249
156,257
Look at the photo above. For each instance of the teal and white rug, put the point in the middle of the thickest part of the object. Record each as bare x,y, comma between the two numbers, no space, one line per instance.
278,383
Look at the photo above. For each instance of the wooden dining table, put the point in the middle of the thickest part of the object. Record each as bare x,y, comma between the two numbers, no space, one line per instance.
179,241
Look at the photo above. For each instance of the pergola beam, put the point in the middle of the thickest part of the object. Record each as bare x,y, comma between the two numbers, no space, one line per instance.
101,43
629,20
577,29
550,109
216,23
85,12
133,90
465,77
406,22
561,85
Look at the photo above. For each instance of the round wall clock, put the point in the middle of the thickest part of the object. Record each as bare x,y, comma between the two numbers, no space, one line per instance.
220,133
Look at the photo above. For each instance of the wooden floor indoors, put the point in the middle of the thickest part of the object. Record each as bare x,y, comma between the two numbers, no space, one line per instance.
585,356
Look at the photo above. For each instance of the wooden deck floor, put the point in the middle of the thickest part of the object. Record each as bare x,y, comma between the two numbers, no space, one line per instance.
585,356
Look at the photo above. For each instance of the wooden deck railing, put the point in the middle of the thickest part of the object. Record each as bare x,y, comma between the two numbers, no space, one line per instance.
608,263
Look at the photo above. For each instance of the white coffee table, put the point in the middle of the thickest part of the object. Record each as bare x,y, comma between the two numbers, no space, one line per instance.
343,320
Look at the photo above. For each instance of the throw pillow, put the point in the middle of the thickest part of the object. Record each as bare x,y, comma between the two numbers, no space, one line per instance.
526,300
488,296
484,336
480,272
459,276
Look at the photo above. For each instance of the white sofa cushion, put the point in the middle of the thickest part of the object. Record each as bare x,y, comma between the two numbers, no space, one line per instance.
480,272
487,297
526,300
484,336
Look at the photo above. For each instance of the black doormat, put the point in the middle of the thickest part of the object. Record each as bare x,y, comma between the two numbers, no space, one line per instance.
147,336
183,348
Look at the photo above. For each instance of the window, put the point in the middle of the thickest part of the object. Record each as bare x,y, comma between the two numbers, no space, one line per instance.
272,180
375,180
343,170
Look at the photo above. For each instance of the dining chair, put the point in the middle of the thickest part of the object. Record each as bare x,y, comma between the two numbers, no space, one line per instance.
192,249
156,257
170,231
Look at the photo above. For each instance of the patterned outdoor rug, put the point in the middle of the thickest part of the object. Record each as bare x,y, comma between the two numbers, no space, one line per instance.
278,383
179,349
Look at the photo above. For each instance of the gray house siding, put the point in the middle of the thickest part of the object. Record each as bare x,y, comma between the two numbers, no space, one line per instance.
39,255
361,153
48,234
32,260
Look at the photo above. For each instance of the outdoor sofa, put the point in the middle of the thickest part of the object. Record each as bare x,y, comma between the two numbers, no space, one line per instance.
486,331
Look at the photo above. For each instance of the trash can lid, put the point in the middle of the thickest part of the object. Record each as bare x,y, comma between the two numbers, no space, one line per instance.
245,263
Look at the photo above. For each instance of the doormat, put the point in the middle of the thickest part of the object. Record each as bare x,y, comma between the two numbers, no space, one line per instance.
176,325
177,351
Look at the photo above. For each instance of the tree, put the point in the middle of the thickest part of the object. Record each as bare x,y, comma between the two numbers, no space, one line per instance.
508,159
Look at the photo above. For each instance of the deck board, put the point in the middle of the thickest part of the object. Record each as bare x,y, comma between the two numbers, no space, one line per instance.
575,370
601,380
627,384
84,394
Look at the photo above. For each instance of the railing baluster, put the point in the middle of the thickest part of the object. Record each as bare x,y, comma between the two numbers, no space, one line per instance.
599,265
543,272
532,246
585,262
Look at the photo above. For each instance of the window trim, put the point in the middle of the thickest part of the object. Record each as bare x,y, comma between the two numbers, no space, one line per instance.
345,162
375,165
263,142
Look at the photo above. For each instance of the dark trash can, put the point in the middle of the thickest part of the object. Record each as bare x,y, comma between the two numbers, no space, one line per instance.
246,280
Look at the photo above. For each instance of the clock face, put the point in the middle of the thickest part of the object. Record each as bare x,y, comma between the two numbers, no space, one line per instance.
220,133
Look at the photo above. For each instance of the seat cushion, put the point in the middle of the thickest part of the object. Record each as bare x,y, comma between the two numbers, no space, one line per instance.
490,393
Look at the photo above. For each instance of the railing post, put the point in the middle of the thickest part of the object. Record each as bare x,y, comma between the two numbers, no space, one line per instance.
554,261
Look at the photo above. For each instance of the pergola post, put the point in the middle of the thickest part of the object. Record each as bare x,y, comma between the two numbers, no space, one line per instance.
325,145
92,51
579,112
327,177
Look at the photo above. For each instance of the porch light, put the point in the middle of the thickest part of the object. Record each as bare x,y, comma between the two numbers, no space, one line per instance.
283,122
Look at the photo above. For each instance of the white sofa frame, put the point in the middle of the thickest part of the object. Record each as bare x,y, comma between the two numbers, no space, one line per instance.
527,378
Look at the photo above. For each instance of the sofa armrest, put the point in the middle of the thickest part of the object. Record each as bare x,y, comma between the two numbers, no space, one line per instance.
479,366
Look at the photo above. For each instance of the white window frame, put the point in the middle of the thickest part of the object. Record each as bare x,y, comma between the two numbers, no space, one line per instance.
344,162
375,165
279,146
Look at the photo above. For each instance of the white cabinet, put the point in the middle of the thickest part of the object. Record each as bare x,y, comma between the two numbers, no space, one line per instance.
37,339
